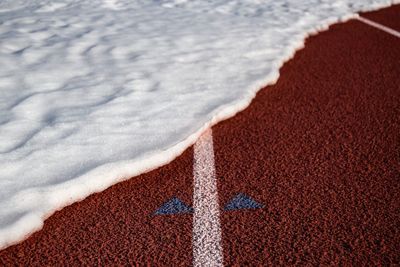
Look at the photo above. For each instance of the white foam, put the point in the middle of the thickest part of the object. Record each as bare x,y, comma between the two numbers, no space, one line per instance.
94,92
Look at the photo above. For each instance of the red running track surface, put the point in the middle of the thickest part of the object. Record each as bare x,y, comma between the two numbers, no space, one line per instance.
319,150
389,17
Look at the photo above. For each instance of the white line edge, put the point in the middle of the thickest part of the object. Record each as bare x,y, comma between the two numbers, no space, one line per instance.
379,26
207,248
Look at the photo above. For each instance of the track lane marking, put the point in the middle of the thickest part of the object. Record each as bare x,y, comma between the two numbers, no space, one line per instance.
379,26
207,249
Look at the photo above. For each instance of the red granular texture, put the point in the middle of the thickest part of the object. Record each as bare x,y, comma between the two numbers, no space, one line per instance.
117,226
389,17
321,151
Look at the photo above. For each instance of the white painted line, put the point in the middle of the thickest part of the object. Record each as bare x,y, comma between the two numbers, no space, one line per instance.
379,26
207,248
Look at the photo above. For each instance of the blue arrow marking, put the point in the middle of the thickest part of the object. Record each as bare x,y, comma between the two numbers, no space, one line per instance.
242,201
173,206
